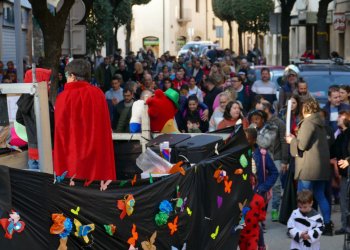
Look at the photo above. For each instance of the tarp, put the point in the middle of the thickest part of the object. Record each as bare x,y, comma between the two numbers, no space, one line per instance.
34,196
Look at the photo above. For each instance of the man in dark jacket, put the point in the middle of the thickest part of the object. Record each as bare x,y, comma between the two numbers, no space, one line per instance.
213,91
279,153
122,114
333,107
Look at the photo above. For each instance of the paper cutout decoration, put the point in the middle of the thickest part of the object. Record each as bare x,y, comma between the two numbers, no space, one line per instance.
104,185
110,229
220,175
215,234
243,161
83,230
133,181
59,178
126,205
245,176
12,224
173,225
71,181
183,247
183,206
122,183
149,244
219,201
134,236
177,168
238,171
228,185
76,211
189,211
150,178
244,209
162,217
63,227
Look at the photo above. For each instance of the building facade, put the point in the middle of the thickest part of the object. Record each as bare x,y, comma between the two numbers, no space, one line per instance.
7,31
166,25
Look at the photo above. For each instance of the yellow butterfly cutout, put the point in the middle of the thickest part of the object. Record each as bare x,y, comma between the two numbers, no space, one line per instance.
149,245
213,235
245,176
189,211
83,230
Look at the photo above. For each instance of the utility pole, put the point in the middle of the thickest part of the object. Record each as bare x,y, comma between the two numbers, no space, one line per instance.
18,38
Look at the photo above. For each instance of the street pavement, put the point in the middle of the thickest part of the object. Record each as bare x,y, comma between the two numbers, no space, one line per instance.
276,238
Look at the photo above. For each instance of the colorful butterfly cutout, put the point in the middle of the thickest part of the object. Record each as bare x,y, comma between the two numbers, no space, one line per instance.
12,224
215,234
110,229
104,185
150,178
245,176
189,211
59,178
220,175
83,230
133,181
71,181
132,240
126,205
244,209
238,171
173,225
76,211
243,161
149,244
219,201
183,206
177,168
228,185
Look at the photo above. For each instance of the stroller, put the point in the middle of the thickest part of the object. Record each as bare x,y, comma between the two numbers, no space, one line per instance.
347,234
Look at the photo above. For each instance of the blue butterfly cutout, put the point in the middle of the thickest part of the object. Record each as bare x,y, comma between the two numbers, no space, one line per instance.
59,178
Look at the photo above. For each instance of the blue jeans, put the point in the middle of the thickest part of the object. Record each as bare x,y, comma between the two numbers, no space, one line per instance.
318,188
33,164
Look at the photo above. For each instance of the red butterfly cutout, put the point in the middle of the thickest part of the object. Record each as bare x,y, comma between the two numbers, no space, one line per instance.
133,181
132,240
228,185
220,175
173,226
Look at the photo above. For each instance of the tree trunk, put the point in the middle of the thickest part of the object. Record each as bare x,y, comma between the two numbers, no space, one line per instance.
240,43
230,34
256,40
322,29
128,37
285,24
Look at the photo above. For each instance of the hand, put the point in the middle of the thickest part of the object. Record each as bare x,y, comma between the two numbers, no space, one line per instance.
205,115
115,101
343,163
284,168
289,138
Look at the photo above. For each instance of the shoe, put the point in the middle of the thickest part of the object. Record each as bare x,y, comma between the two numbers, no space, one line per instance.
274,215
340,231
328,231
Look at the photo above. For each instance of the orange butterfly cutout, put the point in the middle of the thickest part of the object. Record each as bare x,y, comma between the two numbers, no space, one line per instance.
133,181
220,175
132,240
238,171
177,168
228,185
173,226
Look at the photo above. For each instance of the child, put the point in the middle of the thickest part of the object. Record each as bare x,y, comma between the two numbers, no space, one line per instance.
305,224
251,236
193,125
195,110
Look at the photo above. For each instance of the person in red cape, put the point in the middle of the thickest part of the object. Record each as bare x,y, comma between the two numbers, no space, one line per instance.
83,135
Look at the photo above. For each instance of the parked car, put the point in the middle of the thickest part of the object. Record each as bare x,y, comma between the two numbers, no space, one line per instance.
198,48
320,76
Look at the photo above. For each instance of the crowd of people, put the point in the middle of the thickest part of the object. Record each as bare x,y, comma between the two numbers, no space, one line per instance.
217,93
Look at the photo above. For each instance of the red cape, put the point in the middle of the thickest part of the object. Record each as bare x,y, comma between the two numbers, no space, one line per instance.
83,140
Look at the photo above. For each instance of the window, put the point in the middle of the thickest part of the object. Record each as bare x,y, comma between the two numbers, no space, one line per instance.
9,15
197,5
180,9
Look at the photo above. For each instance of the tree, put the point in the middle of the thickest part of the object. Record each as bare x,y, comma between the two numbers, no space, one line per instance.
224,10
128,24
286,9
322,28
121,13
98,25
52,26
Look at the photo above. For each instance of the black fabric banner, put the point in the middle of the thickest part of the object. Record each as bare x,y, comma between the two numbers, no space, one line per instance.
34,196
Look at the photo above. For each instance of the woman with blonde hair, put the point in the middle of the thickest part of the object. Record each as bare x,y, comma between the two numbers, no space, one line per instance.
138,73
